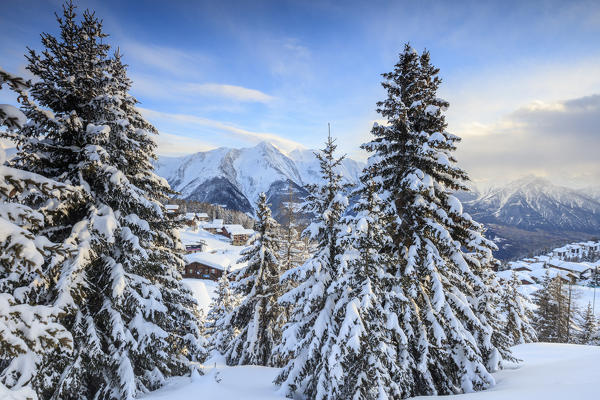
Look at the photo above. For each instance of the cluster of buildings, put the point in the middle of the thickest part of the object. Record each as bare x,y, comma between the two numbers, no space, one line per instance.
200,263
577,251
565,263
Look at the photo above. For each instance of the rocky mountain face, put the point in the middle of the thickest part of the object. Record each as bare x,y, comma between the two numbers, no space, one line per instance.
523,217
531,214
533,203
233,178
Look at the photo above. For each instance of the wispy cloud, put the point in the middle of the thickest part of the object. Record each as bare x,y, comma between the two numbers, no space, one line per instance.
183,91
242,134
177,145
175,61
238,93
554,139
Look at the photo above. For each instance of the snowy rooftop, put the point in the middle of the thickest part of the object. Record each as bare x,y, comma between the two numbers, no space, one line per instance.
216,223
192,215
238,230
571,266
540,274
520,264
172,207
219,260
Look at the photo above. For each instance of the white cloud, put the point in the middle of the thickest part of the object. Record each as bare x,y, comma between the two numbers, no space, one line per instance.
176,145
485,96
238,133
559,140
238,93
182,91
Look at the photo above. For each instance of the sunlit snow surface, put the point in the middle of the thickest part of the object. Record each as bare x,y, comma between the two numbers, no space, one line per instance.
548,371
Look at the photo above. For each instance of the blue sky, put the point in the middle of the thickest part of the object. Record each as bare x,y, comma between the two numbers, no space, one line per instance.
222,73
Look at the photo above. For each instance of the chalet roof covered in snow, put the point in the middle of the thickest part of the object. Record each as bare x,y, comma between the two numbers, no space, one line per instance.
216,223
570,266
192,215
215,260
540,274
238,230
522,276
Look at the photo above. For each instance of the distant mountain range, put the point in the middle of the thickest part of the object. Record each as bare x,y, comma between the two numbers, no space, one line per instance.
234,178
534,203
532,214
523,217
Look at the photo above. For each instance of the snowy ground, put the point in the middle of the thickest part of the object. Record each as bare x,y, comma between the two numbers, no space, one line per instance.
548,371
216,244
203,290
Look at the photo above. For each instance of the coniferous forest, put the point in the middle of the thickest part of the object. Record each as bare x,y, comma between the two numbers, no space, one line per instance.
387,290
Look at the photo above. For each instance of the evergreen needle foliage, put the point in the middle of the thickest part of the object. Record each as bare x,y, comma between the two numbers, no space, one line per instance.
132,321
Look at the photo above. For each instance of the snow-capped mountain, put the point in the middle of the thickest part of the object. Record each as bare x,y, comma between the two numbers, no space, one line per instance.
522,217
534,203
235,177
591,191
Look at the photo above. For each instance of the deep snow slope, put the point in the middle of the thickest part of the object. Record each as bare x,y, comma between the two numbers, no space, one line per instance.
548,371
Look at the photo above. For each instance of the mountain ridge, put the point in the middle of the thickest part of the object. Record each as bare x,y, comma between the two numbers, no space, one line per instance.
213,175
522,216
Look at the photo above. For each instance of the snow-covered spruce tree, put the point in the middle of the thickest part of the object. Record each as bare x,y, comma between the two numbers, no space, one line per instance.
224,301
292,248
588,328
517,313
291,254
308,338
444,259
32,340
369,344
10,116
550,319
256,317
133,322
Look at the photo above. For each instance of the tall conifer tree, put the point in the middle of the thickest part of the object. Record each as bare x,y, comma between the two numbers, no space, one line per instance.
517,311
445,261
257,316
133,323
588,328
370,344
309,335
224,301
33,342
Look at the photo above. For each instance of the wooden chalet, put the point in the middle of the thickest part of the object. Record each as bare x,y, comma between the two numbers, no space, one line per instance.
202,217
205,265
199,270
575,269
238,234
196,247
214,227
172,208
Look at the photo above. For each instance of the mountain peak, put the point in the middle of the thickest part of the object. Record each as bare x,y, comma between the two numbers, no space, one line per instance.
530,180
